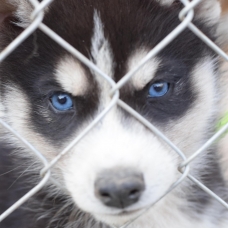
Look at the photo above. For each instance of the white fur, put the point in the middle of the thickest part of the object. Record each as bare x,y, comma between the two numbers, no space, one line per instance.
109,146
209,11
146,73
103,57
72,76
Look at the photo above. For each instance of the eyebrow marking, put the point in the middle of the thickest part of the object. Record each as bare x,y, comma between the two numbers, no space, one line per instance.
72,76
146,73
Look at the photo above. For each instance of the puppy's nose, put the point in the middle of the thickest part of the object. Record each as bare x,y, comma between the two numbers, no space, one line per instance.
119,188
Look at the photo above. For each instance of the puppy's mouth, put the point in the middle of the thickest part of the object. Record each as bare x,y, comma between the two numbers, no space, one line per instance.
122,218
129,214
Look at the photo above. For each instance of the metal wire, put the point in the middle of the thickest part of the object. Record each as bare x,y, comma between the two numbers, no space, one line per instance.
186,17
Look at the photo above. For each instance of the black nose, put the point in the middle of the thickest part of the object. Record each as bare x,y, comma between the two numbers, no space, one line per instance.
119,188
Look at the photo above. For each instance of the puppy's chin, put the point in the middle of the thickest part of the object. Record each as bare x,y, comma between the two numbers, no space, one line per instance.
119,219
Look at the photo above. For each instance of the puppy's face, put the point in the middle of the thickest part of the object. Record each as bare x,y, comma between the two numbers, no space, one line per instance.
49,97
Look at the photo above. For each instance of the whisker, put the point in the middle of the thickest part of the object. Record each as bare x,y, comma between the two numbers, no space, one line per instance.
21,175
10,171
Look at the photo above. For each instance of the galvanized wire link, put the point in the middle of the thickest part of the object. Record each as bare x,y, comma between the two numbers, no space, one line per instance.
186,16
41,7
208,191
188,7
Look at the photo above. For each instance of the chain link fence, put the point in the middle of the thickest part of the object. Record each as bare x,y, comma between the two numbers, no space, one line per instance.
186,17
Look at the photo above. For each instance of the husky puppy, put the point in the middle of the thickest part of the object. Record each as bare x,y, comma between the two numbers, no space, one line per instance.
120,168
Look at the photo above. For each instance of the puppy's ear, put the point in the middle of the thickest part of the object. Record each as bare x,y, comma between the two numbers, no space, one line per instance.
208,11
17,11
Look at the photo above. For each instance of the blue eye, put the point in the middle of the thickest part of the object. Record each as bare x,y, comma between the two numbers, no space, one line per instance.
61,101
158,89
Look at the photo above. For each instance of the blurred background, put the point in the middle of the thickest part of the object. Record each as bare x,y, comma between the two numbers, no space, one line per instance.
225,6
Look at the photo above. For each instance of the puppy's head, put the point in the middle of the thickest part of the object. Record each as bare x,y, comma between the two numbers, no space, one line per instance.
50,97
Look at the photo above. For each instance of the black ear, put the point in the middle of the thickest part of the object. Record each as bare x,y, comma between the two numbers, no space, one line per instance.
20,10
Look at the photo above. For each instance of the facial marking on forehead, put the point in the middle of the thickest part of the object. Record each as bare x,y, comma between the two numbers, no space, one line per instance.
146,73
101,50
71,76
102,56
